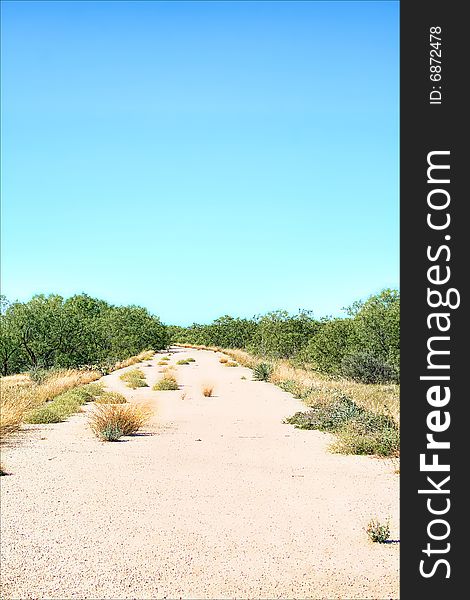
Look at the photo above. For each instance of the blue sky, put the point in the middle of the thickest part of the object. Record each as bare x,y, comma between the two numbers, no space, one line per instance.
201,158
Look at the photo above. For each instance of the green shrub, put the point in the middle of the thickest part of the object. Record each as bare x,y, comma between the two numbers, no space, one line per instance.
358,431
95,389
38,375
111,398
367,368
166,384
326,416
42,415
110,433
378,532
134,378
262,372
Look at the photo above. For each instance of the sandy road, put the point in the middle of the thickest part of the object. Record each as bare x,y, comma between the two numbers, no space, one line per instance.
217,499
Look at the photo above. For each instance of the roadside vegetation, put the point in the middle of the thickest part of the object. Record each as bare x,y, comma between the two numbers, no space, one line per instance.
346,370
40,395
78,332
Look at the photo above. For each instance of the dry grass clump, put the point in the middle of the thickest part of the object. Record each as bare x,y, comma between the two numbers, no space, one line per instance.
128,362
134,378
111,398
20,394
167,383
207,390
231,363
109,422
16,401
223,360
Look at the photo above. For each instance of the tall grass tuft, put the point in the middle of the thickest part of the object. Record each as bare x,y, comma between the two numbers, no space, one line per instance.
109,422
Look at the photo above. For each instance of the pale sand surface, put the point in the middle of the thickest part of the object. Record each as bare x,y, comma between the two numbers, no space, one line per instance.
219,500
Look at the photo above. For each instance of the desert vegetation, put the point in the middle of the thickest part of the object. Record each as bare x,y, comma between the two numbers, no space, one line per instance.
345,370
26,393
40,395
134,378
167,383
207,390
363,346
53,332
109,422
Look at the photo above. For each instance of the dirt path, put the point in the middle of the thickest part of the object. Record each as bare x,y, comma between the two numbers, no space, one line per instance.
218,499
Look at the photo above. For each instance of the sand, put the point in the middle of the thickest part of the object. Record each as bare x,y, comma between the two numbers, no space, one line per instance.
217,498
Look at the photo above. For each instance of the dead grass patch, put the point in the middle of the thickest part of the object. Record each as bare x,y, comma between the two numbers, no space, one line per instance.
207,390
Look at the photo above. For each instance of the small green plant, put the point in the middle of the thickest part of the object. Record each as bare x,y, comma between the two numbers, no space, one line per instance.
111,398
191,360
134,378
38,375
110,433
183,362
95,389
243,377
231,363
167,383
262,372
377,531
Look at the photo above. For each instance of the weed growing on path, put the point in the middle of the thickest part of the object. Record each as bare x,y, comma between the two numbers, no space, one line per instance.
111,398
134,378
109,420
167,383
377,531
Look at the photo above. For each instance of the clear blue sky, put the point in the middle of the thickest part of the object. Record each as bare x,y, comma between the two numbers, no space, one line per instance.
201,158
